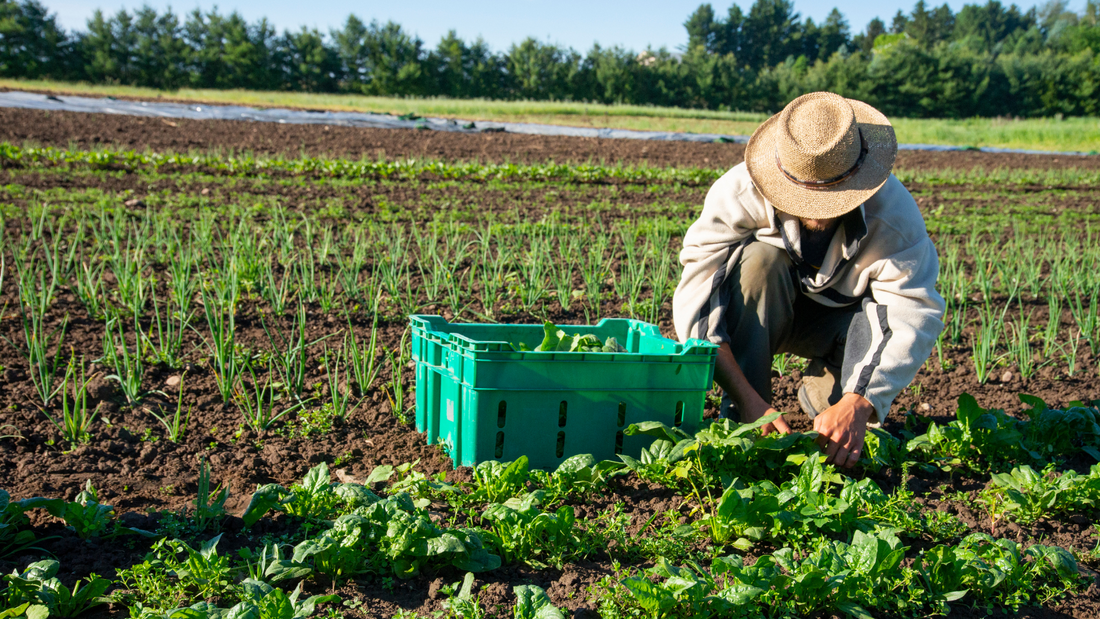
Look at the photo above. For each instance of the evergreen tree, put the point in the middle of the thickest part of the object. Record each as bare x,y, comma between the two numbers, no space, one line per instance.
32,44
311,66
834,35
703,29
770,33
465,71
541,71
732,33
382,59
983,27
160,52
989,59
865,41
899,23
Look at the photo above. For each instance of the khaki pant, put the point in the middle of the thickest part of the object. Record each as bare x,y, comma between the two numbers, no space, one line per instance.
768,314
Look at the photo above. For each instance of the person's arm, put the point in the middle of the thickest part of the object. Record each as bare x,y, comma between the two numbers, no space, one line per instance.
732,212
750,405
842,429
903,322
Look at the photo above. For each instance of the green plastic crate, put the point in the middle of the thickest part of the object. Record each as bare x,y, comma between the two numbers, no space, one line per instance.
484,399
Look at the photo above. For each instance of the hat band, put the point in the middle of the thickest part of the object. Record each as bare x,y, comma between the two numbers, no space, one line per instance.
829,182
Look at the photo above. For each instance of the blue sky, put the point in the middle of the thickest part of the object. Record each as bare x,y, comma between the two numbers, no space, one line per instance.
576,23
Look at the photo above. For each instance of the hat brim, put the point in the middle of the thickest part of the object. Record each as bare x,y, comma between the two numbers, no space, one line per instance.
834,200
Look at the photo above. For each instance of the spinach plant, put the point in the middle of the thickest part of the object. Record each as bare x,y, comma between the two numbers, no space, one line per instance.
522,532
38,588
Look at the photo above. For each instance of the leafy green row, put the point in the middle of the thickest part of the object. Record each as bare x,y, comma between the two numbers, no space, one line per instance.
85,516
803,509
852,579
247,164
990,440
1026,496
244,165
36,593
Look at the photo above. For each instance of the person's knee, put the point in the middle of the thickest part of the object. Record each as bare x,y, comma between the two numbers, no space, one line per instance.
764,270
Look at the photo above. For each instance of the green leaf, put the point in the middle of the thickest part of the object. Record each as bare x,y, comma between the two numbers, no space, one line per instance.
266,498
17,611
575,463
1037,405
55,507
380,473
810,476
740,594
445,543
657,430
759,423
742,544
863,552
551,338
533,603
853,610
356,495
317,480
649,596
969,410
954,596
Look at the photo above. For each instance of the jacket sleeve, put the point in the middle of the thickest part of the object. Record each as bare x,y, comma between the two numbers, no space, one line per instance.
711,250
904,316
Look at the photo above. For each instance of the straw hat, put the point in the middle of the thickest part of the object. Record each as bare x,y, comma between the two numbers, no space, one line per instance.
822,156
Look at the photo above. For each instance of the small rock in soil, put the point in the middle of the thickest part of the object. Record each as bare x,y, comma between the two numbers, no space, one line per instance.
433,588
925,407
101,388
1006,377
172,381
148,454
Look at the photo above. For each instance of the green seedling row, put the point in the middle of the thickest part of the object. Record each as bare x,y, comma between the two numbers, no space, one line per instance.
761,527
841,544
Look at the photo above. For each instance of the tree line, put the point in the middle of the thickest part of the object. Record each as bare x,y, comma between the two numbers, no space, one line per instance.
985,60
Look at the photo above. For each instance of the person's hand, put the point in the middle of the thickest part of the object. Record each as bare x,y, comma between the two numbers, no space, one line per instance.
757,409
842,428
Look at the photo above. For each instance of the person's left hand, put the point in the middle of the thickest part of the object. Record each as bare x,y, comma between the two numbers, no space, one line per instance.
842,428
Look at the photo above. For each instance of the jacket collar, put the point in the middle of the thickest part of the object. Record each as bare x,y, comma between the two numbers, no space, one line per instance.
846,241
852,229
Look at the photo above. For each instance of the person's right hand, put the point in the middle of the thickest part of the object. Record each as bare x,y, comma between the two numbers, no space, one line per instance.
760,408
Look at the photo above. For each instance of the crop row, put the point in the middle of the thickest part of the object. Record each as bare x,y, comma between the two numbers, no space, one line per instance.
173,295
841,544
247,164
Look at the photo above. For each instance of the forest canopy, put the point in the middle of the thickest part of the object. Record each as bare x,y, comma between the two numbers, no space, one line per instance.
985,60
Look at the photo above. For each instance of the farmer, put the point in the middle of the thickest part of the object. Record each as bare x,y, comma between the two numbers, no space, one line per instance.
812,247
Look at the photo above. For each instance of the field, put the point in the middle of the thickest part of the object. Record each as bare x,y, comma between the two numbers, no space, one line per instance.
1049,134
204,327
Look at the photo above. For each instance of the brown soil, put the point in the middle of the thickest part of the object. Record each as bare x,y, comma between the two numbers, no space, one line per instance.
180,135
144,476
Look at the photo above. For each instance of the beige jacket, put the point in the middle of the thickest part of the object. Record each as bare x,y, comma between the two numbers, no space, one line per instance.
882,251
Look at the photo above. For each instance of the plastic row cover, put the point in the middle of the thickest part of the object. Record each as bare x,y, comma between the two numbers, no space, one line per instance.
109,105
